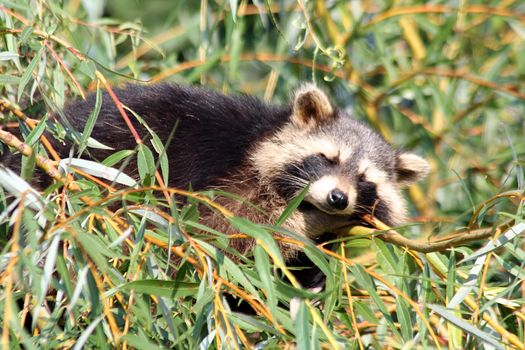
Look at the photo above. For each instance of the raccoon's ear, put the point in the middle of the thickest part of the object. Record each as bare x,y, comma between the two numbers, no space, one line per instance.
410,168
311,106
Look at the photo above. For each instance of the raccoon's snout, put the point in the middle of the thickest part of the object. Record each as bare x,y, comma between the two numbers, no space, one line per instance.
333,195
337,199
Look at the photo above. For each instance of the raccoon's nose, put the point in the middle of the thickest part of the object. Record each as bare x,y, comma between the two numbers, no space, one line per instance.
337,199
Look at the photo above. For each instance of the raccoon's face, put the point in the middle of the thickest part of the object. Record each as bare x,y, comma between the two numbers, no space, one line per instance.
350,169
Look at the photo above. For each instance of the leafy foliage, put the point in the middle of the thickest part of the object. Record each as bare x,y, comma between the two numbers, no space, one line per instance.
442,78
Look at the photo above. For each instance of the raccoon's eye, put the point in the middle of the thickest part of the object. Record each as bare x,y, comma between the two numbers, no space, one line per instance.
332,161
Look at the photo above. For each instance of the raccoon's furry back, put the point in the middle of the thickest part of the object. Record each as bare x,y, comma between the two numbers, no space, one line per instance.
213,133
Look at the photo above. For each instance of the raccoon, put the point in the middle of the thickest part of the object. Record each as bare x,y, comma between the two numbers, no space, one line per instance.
264,153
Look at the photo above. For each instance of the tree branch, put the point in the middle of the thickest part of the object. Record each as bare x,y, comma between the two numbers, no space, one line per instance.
387,234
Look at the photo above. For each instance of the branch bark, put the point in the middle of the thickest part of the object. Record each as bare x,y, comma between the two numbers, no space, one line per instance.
387,234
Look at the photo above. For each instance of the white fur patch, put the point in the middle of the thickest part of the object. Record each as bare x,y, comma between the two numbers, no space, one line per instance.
411,164
319,190
387,192
371,172
345,153
390,195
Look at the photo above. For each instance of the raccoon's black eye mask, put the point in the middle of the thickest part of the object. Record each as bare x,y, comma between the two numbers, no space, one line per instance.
296,176
331,160
368,202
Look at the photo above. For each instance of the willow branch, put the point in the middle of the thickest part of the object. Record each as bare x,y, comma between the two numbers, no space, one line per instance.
387,234
47,36
44,163
32,124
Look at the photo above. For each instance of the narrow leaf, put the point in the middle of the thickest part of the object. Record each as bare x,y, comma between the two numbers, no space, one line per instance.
294,204
161,288
28,72
467,327
35,134
302,325
90,122
492,245
98,170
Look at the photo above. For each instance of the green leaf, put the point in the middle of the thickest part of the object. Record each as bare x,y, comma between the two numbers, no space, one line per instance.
59,86
8,80
35,134
233,7
65,275
81,341
10,39
97,249
505,238
436,260
145,164
263,267
455,335
303,329
158,146
294,204
28,72
6,56
451,276
49,267
163,157
467,327
28,166
385,257
90,122
514,269
366,282
234,271
17,186
261,236
26,33
161,288
98,170
252,324
140,342
365,312
404,319
118,157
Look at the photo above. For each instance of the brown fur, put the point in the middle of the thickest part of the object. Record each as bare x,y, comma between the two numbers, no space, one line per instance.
267,210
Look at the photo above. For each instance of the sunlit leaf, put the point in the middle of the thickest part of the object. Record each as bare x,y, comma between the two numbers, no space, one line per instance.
467,327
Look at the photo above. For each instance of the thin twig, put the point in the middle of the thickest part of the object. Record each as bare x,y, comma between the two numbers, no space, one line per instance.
45,163
443,9
32,124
